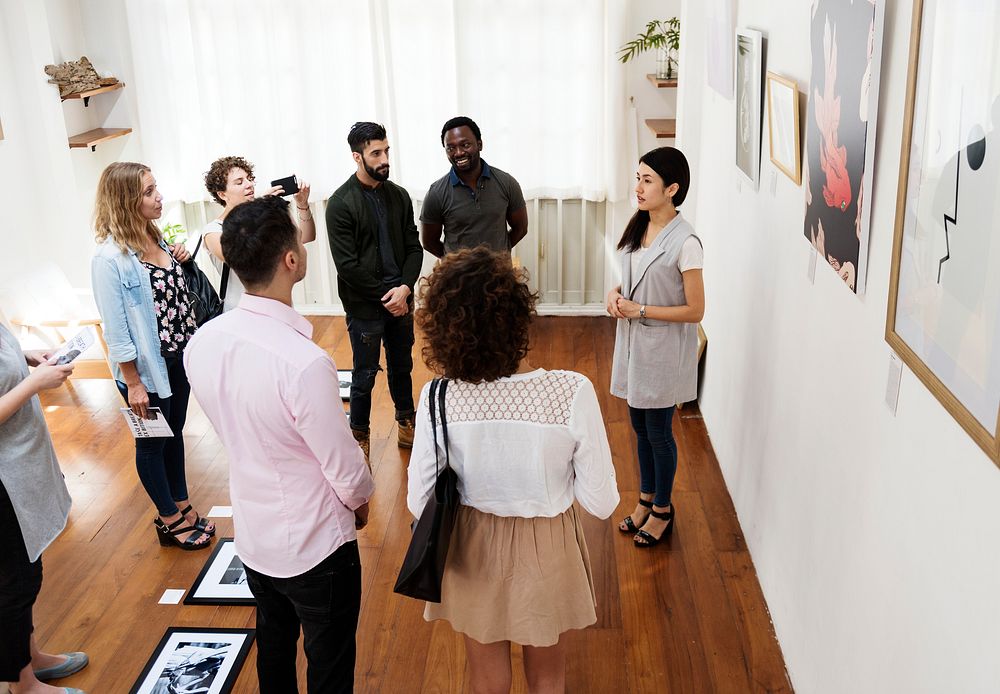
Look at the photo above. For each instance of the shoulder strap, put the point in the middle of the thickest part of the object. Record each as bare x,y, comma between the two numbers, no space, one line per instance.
431,401
444,423
224,282
436,403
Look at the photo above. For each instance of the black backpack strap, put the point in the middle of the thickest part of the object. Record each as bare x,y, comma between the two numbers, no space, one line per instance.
444,423
431,401
225,282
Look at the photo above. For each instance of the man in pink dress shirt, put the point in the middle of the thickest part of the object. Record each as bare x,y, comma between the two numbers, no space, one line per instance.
298,481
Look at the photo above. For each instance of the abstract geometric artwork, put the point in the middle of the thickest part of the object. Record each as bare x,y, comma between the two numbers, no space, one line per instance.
944,297
846,39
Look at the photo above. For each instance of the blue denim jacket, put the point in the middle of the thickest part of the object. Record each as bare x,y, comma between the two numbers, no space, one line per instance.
124,299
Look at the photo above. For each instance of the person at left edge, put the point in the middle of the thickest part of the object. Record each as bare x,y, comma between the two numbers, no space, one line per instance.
141,294
298,481
375,246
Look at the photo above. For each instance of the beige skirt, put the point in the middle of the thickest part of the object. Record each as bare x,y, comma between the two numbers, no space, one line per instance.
525,580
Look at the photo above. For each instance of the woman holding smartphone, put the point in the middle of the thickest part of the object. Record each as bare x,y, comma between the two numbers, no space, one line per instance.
141,294
658,305
230,180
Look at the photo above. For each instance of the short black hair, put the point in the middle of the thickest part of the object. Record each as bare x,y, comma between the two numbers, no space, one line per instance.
362,133
458,122
255,236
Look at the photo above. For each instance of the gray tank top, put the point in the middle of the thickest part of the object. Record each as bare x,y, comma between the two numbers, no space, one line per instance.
28,467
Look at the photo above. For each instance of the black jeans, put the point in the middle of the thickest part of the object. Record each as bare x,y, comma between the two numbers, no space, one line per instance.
160,461
657,451
366,339
20,581
325,601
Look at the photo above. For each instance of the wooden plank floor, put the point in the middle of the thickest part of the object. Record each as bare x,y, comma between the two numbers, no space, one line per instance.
686,616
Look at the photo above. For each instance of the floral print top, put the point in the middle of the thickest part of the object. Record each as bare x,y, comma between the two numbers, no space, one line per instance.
174,318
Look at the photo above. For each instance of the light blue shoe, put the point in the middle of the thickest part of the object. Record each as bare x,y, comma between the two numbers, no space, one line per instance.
70,690
74,663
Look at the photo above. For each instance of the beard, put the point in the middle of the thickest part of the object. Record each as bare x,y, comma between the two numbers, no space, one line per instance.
380,174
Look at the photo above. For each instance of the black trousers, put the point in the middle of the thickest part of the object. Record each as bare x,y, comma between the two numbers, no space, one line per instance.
20,581
324,602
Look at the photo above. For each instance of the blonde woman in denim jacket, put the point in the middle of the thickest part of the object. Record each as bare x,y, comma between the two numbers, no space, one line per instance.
141,295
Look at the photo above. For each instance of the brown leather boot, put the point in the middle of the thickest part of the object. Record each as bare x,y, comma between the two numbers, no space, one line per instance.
364,440
405,434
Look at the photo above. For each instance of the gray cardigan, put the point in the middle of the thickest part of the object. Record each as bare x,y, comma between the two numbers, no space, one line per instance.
28,468
655,362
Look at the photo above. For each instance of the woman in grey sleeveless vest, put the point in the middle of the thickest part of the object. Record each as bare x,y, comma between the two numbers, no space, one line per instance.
658,306
34,506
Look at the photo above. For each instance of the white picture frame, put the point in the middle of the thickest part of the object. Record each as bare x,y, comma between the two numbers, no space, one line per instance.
747,54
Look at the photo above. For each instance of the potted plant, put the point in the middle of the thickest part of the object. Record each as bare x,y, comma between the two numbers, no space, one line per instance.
665,36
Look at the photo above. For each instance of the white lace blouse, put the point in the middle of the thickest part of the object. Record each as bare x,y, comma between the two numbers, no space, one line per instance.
525,445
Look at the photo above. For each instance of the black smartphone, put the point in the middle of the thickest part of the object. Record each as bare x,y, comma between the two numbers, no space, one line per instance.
290,184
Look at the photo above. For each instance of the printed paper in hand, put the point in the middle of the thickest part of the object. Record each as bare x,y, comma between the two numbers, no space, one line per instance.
156,427
80,343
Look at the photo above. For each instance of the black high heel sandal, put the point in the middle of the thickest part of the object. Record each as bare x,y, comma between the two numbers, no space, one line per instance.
201,524
647,539
630,526
167,535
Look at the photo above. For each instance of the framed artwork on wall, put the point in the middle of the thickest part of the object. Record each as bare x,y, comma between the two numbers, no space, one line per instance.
943,316
783,125
846,46
748,47
719,46
191,659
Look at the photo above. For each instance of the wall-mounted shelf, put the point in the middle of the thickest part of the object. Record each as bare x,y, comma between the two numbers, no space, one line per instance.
92,92
94,137
661,83
663,128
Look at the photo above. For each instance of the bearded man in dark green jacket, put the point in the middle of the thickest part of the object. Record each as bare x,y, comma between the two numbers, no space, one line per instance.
376,248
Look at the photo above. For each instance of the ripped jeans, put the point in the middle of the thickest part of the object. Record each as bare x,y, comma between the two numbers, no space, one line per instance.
367,337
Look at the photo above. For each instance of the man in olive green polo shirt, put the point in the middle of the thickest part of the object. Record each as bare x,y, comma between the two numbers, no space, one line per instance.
474,203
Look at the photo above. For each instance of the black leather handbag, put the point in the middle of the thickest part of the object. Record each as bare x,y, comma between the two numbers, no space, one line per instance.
202,297
423,567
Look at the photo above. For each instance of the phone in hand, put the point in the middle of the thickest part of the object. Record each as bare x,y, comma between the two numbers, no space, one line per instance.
68,357
290,184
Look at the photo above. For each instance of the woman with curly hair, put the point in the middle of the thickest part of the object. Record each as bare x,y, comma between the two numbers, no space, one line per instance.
230,180
141,294
525,443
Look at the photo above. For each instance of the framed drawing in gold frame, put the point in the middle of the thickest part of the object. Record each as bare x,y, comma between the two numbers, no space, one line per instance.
783,125
943,316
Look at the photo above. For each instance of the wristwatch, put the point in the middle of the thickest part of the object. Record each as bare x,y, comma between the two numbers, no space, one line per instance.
642,312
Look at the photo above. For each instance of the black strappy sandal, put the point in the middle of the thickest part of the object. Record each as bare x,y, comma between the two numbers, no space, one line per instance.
201,524
167,535
647,539
630,526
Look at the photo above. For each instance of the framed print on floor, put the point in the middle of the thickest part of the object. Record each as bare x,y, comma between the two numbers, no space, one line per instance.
749,44
943,317
223,580
846,46
783,125
190,659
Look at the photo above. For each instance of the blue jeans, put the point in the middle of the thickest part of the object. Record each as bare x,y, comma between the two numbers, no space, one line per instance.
657,451
367,337
324,602
160,461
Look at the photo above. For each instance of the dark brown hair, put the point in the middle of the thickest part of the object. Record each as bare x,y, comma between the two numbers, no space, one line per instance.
475,316
218,172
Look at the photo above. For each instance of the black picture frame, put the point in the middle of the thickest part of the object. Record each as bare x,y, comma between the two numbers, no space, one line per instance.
222,549
231,663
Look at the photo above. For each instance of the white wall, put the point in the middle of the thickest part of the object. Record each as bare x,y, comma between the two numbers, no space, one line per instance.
647,100
876,537
48,188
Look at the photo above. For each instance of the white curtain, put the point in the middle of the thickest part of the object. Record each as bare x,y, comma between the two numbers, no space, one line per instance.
281,83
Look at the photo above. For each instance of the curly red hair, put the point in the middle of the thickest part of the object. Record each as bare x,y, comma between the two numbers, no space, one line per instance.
475,316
